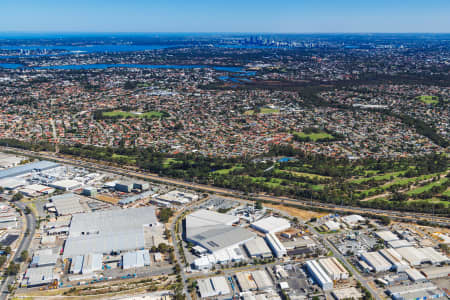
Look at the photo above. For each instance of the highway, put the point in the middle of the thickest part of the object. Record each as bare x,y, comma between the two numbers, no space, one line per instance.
24,245
103,166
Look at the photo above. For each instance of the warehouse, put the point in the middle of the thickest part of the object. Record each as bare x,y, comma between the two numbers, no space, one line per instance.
433,256
319,275
90,191
92,262
415,291
8,161
135,198
398,264
66,185
352,220
333,268
412,255
178,197
141,185
436,272
213,231
332,225
213,287
44,258
399,244
39,276
271,225
262,280
136,259
277,247
124,186
109,231
245,281
376,261
28,169
34,190
11,183
258,248
347,293
387,236
67,204
76,265
414,275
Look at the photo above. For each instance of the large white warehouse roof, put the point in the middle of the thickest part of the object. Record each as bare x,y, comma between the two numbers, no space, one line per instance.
271,224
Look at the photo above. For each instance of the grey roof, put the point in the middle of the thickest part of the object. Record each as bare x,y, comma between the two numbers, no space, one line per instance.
27,168
221,236
257,247
40,276
109,230
68,204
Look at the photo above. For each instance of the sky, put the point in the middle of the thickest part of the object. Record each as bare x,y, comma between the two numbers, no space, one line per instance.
279,16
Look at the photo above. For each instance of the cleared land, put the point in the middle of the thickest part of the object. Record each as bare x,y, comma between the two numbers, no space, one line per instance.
264,110
313,136
304,215
428,99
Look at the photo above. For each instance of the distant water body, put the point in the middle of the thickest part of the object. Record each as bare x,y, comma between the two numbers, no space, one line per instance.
139,66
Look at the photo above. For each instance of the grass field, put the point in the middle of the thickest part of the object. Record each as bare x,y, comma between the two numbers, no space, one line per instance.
227,171
446,193
386,176
129,114
129,159
428,99
168,161
264,110
302,174
314,136
426,187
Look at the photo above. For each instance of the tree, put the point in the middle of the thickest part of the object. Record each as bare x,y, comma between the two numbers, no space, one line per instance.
258,205
24,255
12,269
17,197
27,210
162,247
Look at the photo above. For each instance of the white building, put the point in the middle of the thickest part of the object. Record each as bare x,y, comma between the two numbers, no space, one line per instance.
319,275
376,261
277,247
271,224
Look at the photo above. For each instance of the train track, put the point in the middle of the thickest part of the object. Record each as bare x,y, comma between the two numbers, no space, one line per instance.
102,166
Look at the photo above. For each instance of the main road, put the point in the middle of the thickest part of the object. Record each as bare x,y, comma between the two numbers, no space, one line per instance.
24,245
102,166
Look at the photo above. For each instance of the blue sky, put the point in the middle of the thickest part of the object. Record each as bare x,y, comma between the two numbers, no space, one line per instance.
294,16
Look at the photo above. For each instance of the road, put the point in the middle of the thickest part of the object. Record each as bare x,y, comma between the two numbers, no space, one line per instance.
24,245
103,166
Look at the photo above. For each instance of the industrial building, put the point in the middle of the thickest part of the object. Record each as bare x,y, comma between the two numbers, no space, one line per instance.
262,279
352,220
124,186
277,247
334,268
141,185
213,287
135,198
66,185
332,225
245,281
44,258
40,276
319,275
178,197
257,248
432,256
28,169
376,261
12,183
66,204
398,264
136,259
415,291
271,225
90,191
347,293
213,231
387,236
436,272
414,275
417,256
109,231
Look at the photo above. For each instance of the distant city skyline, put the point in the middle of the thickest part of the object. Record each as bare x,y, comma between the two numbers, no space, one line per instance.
250,16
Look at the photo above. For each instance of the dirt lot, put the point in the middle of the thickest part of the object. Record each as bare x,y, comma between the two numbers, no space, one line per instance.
304,215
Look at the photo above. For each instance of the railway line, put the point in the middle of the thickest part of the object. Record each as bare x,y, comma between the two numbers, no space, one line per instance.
105,167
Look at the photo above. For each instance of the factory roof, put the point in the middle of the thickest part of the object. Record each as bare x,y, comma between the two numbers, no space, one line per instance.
319,273
109,230
377,261
262,279
136,259
257,247
412,255
387,235
353,219
11,183
436,272
393,257
67,204
220,237
414,275
28,168
271,224
432,255
399,243
245,281
214,286
40,276
347,293
203,219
